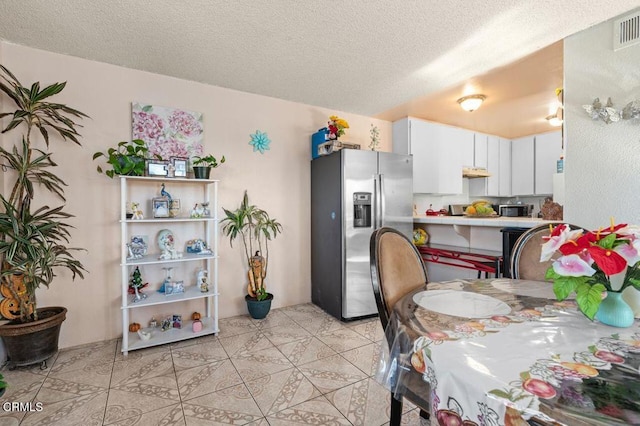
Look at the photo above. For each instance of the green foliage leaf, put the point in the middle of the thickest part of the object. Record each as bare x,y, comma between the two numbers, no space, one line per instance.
525,375
253,226
127,159
564,286
34,243
607,242
551,274
589,298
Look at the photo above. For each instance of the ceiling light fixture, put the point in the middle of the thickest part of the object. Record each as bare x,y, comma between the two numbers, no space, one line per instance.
471,102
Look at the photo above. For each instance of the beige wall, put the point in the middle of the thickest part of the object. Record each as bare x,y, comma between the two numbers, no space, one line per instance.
278,181
602,166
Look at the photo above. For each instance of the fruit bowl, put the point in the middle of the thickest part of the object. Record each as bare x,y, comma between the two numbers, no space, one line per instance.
492,214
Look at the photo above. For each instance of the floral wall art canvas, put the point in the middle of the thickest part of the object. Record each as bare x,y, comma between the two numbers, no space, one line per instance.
168,132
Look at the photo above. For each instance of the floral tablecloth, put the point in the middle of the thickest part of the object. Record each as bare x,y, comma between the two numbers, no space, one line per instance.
542,359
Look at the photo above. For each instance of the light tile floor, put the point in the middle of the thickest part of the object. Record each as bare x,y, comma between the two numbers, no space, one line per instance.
299,366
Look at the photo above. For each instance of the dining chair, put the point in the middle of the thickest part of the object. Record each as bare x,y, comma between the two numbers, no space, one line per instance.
525,255
396,269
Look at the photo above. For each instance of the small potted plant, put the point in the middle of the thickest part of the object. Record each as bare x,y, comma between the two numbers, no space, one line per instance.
202,166
592,263
256,228
127,159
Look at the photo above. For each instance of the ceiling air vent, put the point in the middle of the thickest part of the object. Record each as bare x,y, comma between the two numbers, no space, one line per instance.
626,31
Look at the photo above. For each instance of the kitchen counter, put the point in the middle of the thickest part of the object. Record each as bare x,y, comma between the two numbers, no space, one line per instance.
497,222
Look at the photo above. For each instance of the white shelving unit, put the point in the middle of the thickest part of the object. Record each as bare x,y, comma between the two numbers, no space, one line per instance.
131,341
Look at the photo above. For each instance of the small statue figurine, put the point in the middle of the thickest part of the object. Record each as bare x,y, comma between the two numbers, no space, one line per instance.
166,324
137,213
197,211
256,274
171,171
164,193
169,252
205,209
202,281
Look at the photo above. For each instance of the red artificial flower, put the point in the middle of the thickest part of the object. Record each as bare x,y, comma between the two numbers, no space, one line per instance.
575,246
601,233
607,260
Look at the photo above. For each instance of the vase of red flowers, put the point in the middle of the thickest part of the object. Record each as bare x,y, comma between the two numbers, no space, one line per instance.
597,266
336,126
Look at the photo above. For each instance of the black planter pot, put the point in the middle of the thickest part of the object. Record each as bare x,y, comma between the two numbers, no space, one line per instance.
258,309
33,342
201,172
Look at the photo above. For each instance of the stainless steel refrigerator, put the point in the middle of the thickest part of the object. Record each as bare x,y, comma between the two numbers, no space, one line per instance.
354,192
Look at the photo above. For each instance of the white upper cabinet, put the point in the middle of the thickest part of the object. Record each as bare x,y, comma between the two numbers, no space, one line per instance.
534,163
493,166
480,150
504,176
522,166
548,149
488,155
436,148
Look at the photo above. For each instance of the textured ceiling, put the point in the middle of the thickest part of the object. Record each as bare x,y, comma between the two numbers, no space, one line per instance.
358,56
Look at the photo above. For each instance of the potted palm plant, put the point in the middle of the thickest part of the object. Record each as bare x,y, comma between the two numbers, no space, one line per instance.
33,241
256,228
202,166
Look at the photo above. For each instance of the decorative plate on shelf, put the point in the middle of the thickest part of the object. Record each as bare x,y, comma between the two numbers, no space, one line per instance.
165,240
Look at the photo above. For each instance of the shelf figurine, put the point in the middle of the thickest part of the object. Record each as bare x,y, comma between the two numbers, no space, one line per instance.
136,284
197,211
198,246
137,213
205,209
144,335
202,280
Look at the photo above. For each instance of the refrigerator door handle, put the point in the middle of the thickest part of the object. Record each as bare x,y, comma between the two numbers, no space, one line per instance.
383,210
375,202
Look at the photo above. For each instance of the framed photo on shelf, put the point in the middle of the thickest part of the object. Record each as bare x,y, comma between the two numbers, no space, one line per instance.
160,207
180,164
174,287
156,167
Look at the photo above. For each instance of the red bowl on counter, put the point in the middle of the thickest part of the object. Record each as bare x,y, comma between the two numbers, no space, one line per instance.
441,212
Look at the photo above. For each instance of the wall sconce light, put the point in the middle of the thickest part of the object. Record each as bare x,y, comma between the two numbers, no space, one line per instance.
471,102
556,119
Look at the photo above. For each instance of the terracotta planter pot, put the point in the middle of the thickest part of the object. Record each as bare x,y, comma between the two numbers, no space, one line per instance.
33,342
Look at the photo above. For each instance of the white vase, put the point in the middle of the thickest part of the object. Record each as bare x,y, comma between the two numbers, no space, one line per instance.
632,297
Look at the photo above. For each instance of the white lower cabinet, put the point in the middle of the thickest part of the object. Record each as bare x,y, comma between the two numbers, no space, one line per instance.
183,228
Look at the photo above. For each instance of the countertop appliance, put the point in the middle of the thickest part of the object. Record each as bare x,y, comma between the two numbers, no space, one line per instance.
457,209
354,192
515,210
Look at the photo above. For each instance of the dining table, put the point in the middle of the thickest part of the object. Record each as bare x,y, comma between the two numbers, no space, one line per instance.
507,352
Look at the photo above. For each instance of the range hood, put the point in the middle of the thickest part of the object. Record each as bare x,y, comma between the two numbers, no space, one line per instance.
475,172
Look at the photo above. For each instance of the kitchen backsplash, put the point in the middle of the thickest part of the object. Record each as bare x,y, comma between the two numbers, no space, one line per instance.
422,202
